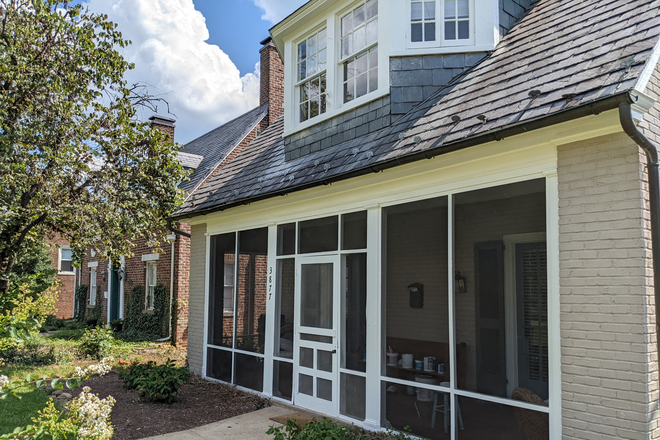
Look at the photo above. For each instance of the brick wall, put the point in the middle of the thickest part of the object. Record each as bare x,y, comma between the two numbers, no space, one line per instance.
196,335
67,288
609,368
181,285
272,83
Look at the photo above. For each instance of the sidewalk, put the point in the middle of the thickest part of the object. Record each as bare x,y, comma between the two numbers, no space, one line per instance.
247,426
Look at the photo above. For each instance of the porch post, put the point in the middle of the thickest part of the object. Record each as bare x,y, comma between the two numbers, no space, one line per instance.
270,312
374,352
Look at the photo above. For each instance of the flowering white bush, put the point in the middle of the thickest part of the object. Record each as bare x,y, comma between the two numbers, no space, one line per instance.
4,382
92,414
94,370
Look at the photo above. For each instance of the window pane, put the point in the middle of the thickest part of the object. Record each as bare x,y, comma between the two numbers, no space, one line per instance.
249,372
429,10
305,384
316,295
352,396
361,86
416,32
361,64
372,9
347,46
314,88
67,254
311,45
416,13
284,312
481,419
316,338
349,70
252,285
322,60
429,31
220,325
324,389
358,16
286,239
218,364
373,57
304,111
282,379
314,107
319,235
323,104
302,51
349,90
323,83
463,9
484,219
323,39
419,410
302,70
450,9
373,80
372,32
66,266
346,24
311,65
355,343
450,30
463,30
416,298
360,39
354,230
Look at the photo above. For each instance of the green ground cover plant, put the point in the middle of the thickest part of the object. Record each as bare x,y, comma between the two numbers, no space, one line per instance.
97,342
159,383
329,430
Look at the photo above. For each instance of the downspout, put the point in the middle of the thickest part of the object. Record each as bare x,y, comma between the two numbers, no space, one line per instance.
628,124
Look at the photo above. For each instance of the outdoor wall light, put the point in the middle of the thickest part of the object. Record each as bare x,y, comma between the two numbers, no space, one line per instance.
460,283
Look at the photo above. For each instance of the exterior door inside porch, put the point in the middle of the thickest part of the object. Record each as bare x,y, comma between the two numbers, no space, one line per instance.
316,337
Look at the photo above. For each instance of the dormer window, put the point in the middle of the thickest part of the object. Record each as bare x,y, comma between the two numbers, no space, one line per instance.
312,83
457,19
422,17
359,50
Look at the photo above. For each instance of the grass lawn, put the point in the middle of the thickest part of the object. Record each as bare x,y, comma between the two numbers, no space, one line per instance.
19,412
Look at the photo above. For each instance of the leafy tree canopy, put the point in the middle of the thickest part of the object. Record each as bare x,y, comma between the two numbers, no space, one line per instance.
74,158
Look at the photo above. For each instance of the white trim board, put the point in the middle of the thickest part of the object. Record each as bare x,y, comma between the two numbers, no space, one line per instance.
649,69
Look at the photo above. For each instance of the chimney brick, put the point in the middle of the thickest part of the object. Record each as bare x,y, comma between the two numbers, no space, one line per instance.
272,82
166,125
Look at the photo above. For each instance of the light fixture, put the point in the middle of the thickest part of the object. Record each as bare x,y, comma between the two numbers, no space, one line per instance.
460,283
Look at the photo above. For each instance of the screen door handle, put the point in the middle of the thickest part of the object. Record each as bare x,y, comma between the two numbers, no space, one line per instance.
334,351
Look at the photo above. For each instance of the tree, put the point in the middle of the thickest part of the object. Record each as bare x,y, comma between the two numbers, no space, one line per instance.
74,158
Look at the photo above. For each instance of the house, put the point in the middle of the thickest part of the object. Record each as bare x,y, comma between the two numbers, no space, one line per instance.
452,228
205,157
62,261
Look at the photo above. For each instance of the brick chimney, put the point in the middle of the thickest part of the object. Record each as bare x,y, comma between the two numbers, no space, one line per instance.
272,82
166,125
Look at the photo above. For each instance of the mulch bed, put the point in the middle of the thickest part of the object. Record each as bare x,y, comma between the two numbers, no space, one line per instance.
198,403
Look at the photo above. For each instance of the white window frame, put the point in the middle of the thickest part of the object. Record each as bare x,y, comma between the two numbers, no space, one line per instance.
440,40
60,259
93,287
299,83
150,285
438,23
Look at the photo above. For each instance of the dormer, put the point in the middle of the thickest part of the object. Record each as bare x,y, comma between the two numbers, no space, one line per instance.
340,56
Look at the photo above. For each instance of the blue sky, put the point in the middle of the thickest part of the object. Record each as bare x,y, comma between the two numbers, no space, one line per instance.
201,56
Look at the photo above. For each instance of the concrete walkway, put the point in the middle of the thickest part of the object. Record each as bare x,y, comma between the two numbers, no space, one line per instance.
247,426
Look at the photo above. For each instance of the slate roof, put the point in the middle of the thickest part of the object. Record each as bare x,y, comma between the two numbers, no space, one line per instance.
217,143
188,160
572,55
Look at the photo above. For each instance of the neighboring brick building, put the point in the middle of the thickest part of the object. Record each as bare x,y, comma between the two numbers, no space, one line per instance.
60,253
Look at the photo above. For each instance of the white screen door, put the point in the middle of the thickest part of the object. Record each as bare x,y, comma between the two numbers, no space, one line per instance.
316,337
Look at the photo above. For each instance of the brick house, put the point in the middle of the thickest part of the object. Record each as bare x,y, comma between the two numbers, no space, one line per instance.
67,274
459,213
205,156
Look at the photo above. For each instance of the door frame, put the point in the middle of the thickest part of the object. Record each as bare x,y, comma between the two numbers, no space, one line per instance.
309,402
511,304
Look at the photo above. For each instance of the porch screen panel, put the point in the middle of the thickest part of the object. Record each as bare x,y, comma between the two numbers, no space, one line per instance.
355,318
282,379
249,371
218,364
486,307
412,408
316,296
319,235
251,286
221,290
284,309
416,294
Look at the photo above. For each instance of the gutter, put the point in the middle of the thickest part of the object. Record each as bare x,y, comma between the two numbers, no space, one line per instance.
590,109
628,124
170,226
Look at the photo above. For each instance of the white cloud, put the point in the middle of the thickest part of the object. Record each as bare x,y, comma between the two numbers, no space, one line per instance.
276,10
202,85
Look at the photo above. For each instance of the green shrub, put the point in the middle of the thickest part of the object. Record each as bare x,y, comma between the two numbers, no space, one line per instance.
53,323
329,430
68,334
96,342
159,383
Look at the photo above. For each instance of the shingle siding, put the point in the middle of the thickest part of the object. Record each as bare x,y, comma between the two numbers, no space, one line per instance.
196,301
510,12
607,315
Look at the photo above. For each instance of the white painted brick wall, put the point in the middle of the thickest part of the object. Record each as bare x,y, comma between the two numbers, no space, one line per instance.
609,373
196,306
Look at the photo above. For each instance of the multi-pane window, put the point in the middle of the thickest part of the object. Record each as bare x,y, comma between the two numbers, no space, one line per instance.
228,293
312,63
66,260
422,17
151,285
92,286
457,19
359,49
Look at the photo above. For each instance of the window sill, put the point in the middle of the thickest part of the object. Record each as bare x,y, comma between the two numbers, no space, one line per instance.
228,313
148,311
65,273
336,112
